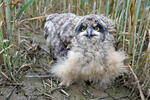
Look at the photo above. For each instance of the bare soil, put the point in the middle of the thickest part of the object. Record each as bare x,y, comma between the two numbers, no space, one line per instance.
27,85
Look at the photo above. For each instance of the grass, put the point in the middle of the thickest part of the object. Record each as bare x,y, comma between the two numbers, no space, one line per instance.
133,28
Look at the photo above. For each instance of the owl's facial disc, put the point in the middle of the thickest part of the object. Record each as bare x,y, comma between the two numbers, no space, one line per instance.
90,30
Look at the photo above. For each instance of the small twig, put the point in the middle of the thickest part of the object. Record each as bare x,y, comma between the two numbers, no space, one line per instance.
125,67
121,97
60,89
10,93
11,84
35,18
64,92
132,91
138,84
12,76
24,65
4,75
148,49
56,89
45,50
42,77
6,48
1,4
46,94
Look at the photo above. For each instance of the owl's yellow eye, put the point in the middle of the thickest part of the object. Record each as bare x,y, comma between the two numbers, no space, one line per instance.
83,29
97,29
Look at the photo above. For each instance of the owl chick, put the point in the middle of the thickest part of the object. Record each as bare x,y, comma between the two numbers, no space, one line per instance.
83,47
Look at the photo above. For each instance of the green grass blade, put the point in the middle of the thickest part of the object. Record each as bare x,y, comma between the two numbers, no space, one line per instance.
145,7
107,8
117,9
126,14
9,27
24,8
64,4
99,9
1,39
134,45
138,4
141,47
8,17
94,7
82,6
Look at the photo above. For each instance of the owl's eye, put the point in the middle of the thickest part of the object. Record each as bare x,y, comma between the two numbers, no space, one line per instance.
83,29
97,29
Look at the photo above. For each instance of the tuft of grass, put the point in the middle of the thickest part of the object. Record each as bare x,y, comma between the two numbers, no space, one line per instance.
25,6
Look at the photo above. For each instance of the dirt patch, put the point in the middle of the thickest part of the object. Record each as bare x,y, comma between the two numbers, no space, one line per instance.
30,87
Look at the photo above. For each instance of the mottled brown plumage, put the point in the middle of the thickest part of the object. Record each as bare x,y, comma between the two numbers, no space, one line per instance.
83,47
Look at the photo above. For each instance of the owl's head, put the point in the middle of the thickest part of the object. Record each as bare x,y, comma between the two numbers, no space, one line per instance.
91,28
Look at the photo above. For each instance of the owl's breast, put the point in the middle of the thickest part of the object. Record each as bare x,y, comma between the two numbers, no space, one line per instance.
89,56
92,64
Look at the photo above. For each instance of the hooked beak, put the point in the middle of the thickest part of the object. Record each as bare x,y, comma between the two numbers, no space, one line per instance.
89,32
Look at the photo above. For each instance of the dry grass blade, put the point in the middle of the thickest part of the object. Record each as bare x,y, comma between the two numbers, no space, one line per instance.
56,89
148,50
137,81
11,84
1,4
10,93
61,90
23,66
6,48
45,94
35,18
5,76
42,76
64,92
1,23
24,8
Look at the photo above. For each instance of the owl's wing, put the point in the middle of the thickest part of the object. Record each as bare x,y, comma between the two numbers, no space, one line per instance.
59,30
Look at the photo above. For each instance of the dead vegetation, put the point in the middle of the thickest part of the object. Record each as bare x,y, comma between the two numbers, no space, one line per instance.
24,57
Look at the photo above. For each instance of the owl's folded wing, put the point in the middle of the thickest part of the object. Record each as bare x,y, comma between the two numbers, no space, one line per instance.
59,30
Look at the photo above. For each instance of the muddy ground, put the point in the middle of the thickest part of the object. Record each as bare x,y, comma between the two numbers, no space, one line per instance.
26,84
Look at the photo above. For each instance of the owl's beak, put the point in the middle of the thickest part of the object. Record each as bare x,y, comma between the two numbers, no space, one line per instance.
89,33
